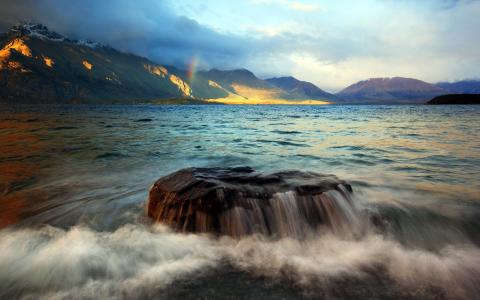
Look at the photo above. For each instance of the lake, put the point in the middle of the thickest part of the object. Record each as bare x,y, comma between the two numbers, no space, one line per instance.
74,181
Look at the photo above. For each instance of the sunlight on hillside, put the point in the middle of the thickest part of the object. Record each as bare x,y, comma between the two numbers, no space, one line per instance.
258,93
156,70
182,85
249,95
234,99
48,61
17,45
242,101
87,65
215,85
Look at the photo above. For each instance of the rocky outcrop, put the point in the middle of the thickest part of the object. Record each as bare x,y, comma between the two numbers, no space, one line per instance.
459,99
240,201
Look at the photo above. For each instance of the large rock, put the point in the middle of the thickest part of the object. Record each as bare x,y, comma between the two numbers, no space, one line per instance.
240,201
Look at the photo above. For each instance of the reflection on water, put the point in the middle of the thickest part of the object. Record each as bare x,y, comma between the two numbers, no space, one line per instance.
417,168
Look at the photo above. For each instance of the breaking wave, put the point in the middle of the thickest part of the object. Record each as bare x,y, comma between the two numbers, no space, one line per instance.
138,261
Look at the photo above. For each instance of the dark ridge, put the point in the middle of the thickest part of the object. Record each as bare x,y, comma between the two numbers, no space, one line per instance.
455,99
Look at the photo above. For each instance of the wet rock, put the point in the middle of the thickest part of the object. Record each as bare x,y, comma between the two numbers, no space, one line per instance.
240,201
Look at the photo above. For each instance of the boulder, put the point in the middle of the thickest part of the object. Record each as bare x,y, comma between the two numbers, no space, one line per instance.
240,201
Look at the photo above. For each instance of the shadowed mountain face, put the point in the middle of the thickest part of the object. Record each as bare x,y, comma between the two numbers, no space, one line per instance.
300,89
395,90
461,87
40,66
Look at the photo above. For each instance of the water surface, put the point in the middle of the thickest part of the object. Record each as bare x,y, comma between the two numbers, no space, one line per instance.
74,180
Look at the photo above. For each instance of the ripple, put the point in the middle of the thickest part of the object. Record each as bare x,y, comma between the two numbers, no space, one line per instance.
361,162
283,143
286,132
146,120
64,128
111,155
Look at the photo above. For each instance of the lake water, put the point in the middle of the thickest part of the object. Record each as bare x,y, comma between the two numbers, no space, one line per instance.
74,180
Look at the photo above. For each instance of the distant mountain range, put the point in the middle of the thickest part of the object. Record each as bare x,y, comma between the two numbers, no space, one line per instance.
300,89
390,90
461,87
41,66
398,90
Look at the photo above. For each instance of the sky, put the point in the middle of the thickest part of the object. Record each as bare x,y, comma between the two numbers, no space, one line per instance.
330,43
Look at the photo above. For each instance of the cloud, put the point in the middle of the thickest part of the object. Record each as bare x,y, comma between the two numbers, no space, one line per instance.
341,43
290,4
146,27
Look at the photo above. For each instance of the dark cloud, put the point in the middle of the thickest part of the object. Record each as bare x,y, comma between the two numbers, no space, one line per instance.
145,27
343,42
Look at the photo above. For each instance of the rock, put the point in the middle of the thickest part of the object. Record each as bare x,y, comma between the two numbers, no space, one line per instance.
455,99
240,201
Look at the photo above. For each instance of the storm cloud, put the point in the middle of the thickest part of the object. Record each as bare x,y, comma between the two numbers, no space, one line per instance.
330,44
145,27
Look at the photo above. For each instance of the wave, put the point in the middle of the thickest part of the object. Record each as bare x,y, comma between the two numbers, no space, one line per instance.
138,261
80,263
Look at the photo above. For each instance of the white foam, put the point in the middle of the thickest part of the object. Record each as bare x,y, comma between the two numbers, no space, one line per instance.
135,261
53,263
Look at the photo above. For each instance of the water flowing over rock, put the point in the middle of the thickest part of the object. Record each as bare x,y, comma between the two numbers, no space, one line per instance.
240,201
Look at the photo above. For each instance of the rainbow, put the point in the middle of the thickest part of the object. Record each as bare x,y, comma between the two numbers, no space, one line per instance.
192,68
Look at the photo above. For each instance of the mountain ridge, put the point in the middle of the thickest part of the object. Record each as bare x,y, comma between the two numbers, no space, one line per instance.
396,90
41,66
471,86
301,88
44,67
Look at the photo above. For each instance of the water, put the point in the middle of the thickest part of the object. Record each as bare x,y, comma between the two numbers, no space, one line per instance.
74,181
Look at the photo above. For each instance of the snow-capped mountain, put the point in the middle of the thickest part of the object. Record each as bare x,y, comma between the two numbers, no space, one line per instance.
42,32
41,66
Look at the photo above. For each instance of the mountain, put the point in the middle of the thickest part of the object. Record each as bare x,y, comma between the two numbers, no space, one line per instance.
300,89
455,99
243,87
461,87
396,90
244,84
40,66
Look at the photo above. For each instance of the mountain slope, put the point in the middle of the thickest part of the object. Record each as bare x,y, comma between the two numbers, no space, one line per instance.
394,90
243,83
300,89
40,66
461,87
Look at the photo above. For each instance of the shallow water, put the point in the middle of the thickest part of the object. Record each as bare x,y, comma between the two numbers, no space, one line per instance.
74,180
